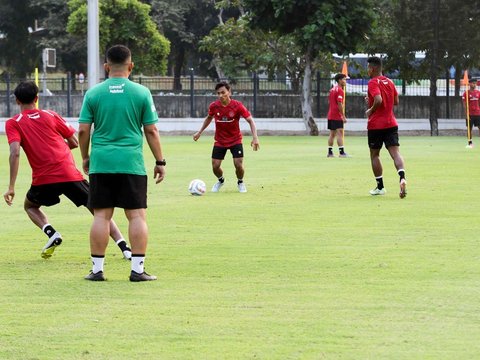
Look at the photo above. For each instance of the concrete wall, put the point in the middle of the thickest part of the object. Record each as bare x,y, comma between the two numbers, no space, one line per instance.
268,106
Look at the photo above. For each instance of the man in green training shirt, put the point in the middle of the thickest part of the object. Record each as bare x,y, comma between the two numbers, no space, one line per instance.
119,109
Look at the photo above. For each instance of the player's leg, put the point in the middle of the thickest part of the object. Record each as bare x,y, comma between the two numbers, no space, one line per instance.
77,192
375,143
237,154
393,146
98,242
218,154
331,139
341,148
36,197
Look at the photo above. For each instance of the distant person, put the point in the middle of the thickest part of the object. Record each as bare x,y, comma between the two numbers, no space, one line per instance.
473,108
47,139
336,115
382,126
227,113
119,109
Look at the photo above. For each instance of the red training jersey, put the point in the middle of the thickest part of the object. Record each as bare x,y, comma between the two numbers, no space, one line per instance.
227,122
383,117
473,101
336,96
42,135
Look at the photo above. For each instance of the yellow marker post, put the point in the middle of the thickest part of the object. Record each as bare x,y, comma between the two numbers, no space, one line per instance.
467,100
344,72
36,82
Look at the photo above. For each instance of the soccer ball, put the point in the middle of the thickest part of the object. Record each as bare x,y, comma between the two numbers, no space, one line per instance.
197,187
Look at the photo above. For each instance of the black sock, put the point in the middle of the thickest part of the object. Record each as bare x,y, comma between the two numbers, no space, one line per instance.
340,149
239,181
379,181
401,173
123,245
49,230
221,179
330,150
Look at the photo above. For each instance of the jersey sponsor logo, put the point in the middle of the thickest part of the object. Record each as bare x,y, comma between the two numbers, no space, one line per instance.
116,89
225,119
34,116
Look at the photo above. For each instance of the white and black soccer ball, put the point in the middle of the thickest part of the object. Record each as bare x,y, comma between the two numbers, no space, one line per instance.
197,187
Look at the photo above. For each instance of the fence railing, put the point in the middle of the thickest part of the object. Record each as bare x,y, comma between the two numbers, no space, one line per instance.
69,87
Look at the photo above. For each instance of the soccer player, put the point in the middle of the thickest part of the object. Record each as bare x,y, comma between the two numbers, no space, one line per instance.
382,126
473,108
227,112
47,141
121,112
336,115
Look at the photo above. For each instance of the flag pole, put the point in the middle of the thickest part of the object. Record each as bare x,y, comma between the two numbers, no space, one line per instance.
467,107
344,72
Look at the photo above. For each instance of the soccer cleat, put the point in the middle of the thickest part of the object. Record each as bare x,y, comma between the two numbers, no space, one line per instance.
127,254
95,276
242,188
378,191
330,155
49,248
136,277
344,155
403,188
469,146
217,186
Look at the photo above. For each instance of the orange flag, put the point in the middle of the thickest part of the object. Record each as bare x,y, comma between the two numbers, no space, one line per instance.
345,69
465,78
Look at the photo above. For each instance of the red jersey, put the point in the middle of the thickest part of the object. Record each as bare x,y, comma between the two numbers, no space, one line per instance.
382,117
473,104
227,122
42,136
336,96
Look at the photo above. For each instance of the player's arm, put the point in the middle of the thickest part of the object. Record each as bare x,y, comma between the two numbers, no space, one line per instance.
205,124
153,140
253,128
377,101
396,100
341,110
72,142
84,143
14,160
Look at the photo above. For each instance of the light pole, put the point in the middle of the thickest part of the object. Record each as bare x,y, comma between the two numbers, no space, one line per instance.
93,43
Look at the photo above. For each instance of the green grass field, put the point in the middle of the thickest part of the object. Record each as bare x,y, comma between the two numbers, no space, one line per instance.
306,265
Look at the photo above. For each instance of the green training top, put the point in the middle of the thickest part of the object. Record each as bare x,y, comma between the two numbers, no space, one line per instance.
118,108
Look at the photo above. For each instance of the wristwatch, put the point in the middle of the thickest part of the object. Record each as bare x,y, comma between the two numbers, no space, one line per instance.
161,162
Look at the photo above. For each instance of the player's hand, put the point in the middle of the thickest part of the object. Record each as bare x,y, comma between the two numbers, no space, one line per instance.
196,136
255,144
366,100
8,196
158,173
86,165
344,119
368,112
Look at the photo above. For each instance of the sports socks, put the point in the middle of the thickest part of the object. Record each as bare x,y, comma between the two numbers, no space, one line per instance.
379,180
221,179
137,263
97,262
341,150
122,244
401,173
239,181
330,150
48,230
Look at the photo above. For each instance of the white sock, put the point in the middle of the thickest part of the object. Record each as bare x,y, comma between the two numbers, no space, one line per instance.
97,263
137,264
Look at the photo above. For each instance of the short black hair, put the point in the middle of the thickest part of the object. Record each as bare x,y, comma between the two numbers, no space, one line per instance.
472,80
118,54
26,91
222,84
374,61
339,77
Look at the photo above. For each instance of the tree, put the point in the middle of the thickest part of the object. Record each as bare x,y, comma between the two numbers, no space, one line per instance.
184,23
125,22
335,26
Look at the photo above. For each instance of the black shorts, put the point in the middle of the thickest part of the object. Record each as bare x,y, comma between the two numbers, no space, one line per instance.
49,194
124,191
376,138
218,152
474,121
334,124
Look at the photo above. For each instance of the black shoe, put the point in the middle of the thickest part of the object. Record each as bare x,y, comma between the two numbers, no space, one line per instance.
134,276
95,276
